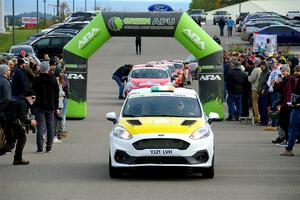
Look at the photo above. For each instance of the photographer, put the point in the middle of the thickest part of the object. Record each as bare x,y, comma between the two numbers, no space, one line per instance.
16,120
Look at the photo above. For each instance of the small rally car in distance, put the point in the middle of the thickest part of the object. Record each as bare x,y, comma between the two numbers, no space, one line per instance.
146,76
161,127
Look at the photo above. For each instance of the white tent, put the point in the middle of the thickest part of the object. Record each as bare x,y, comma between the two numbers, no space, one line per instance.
278,6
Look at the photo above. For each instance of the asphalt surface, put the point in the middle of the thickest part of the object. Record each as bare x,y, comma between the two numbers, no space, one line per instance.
248,165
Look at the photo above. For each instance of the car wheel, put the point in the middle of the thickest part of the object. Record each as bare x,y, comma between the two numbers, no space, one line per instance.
114,172
209,172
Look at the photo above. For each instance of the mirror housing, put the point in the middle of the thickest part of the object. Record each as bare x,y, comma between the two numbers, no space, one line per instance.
111,116
213,117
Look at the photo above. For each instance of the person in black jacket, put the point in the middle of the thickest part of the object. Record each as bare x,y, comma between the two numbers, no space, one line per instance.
138,44
16,116
221,24
235,85
46,105
19,79
120,75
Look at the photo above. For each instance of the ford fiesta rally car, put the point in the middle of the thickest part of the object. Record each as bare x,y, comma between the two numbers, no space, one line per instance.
161,126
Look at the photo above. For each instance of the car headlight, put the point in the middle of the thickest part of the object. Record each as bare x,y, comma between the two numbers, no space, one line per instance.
122,133
200,133
131,85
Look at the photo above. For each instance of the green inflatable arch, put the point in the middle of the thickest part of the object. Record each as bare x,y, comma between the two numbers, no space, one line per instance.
151,24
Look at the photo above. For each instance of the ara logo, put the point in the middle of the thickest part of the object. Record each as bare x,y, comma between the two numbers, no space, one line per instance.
88,37
115,23
210,77
194,38
75,76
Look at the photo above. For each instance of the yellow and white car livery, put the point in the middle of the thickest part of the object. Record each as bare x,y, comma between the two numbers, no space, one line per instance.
162,126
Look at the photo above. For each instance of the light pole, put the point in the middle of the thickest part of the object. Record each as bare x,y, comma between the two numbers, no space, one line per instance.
13,22
37,16
2,27
57,10
85,5
95,5
45,12
73,6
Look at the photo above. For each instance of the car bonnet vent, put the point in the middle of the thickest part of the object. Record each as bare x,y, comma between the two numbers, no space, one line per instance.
134,122
188,122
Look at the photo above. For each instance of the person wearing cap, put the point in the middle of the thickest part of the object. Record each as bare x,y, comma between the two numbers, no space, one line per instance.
5,85
46,87
16,120
19,79
253,79
262,89
283,85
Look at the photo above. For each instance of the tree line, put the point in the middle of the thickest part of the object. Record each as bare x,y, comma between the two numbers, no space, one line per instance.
212,4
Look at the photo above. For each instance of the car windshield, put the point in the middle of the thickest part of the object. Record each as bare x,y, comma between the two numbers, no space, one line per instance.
197,11
173,106
17,50
178,66
149,73
221,12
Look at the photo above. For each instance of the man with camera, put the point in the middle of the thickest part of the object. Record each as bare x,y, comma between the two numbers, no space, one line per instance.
16,117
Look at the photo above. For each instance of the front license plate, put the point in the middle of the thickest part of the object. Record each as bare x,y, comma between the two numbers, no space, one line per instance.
161,152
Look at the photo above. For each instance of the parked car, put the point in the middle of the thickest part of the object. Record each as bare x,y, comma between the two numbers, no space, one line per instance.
198,15
161,127
51,44
69,28
293,14
81,16
249,28
285,34
16,49
219,14
239,21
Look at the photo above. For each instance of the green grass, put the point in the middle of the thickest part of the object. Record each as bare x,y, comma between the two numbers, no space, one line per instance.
20,36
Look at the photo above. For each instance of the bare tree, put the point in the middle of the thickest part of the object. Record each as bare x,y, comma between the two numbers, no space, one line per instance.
64,10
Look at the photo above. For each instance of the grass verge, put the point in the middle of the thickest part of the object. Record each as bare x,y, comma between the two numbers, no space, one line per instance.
20,37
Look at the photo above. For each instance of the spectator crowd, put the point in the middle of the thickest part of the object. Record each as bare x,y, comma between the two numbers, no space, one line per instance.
269,84
33,98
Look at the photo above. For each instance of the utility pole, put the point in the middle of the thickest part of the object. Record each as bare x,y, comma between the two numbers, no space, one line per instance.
57,10
2,27
37,16
85,5
95,5
73,6
45,12
13,22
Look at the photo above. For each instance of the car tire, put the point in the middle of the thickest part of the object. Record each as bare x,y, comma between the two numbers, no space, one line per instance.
114,172
209,172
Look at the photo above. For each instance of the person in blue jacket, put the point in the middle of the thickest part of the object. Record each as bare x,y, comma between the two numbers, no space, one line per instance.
120,76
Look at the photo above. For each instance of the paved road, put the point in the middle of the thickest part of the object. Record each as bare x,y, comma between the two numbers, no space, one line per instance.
248,165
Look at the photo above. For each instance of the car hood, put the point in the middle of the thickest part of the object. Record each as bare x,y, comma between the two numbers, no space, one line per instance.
145,125
148,82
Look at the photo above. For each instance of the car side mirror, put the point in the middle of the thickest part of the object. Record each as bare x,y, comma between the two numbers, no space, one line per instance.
213,117
111,116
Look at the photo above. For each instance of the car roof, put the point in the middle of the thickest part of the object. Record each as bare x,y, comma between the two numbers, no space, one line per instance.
177,91
147,66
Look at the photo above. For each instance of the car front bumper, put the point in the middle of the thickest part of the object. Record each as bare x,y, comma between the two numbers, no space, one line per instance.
125,153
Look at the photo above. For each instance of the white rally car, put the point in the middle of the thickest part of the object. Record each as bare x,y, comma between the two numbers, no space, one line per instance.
162,126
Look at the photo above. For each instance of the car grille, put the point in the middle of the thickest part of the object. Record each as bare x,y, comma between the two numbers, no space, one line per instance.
161,160
161,144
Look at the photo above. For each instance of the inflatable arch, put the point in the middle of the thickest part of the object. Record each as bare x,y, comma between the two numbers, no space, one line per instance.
152,24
